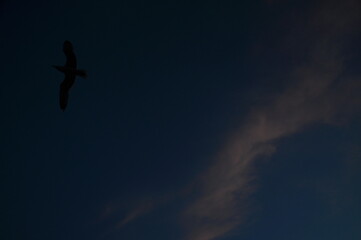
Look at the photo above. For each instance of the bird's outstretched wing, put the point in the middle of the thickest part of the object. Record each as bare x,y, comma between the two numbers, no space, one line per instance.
63,98
69,53
64,90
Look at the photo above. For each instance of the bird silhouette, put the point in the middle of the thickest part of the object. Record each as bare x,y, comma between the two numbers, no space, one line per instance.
70,71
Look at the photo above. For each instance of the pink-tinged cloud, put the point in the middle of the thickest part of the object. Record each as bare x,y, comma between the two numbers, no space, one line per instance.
136,212
121,213
318,93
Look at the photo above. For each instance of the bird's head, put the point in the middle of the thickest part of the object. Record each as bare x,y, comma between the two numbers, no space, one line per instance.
67,45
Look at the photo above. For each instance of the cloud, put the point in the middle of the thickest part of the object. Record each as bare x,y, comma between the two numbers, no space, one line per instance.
120,212
141,209
318,92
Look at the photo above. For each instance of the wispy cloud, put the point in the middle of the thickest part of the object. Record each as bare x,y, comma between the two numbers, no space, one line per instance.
123,212
318,93
118,213
139,210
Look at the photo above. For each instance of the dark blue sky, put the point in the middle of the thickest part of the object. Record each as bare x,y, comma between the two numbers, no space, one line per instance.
199,120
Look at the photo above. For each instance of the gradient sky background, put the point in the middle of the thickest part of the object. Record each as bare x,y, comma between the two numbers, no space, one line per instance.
199,120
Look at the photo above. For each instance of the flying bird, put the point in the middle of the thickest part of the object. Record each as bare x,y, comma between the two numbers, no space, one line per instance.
70,71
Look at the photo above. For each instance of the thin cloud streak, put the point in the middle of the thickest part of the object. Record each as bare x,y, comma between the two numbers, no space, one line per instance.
318,93
136,212
116,215
123,212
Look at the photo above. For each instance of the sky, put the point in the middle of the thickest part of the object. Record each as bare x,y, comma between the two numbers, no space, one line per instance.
199,120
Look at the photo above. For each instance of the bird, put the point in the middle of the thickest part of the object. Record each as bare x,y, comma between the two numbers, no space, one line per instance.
70,71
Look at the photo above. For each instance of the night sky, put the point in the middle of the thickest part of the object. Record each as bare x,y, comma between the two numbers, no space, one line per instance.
199,120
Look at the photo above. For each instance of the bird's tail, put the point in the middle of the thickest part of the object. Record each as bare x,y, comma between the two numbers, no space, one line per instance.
81,73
